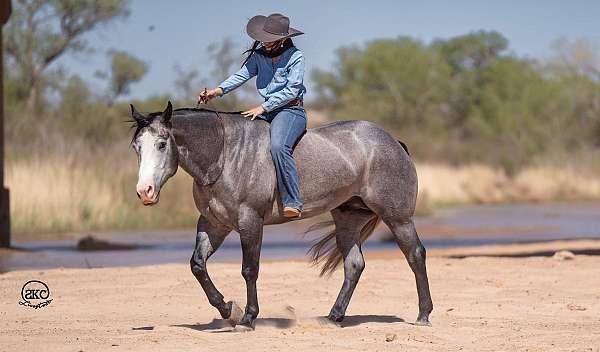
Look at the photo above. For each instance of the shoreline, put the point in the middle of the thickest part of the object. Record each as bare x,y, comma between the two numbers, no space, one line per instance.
480,230
511,250
443,208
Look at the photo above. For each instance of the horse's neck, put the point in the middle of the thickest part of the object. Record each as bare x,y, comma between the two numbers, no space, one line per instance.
209,144
206,140
199,140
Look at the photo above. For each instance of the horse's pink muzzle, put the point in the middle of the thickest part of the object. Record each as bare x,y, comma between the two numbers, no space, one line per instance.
147,193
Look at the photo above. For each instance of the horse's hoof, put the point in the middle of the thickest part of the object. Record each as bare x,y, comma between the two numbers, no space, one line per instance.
243,328
335,318
328,321
423,322
236,314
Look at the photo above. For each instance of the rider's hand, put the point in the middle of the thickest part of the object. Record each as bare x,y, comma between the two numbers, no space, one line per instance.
252,113
207,95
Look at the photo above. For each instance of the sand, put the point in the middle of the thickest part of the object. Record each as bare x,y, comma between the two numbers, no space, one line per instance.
481,304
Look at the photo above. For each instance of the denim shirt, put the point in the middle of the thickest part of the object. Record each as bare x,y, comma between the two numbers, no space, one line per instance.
278,82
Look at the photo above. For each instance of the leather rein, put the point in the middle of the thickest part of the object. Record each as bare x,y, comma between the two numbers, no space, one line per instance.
205,101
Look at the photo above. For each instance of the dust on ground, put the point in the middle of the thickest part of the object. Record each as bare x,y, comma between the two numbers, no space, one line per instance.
481,303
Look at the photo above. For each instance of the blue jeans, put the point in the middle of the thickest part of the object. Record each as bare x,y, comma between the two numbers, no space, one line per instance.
287,126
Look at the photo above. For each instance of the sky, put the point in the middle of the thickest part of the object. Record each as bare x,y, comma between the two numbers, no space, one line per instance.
182,29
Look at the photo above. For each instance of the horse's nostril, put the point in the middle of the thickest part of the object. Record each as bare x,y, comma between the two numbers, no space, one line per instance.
149,190
138,195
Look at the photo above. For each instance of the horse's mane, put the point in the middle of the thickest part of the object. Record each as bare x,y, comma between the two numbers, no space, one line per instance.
192,110
177,112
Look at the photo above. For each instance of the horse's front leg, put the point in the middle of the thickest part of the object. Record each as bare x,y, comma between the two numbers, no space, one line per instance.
208,239
251,231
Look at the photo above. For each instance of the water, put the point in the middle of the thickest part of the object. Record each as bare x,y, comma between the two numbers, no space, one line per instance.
465,226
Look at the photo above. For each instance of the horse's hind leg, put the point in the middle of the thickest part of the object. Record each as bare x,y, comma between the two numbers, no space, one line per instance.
408,241
348,224
208,240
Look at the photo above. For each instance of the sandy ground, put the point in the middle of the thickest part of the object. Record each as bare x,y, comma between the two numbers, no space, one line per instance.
481,304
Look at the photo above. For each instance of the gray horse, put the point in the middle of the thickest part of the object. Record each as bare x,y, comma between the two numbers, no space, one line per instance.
353,169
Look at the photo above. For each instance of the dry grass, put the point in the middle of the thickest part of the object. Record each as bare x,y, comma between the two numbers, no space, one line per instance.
60,195
54,196
443,185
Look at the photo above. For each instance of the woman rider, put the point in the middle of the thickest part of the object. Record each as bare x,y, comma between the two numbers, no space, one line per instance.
279,67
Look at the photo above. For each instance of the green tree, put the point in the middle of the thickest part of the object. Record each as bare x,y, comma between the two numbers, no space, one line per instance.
576,66
125,70
398,81
469,56
40,32
472,51
467,98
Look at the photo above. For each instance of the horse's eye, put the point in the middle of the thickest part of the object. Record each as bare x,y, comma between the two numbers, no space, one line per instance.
162,145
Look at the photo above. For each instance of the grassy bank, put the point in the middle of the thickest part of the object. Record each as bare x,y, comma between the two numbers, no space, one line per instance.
441,185
57,195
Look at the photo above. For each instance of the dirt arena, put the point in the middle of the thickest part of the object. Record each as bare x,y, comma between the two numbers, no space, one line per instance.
481,304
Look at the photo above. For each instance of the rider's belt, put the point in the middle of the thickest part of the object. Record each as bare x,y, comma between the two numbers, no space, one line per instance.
295,102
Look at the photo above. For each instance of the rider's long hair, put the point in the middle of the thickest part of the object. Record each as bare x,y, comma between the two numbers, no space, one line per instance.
250,51
255,49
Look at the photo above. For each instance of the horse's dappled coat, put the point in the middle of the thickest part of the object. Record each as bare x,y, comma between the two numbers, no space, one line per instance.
353,169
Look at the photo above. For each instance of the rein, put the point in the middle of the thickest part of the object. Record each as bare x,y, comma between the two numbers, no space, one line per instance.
206,102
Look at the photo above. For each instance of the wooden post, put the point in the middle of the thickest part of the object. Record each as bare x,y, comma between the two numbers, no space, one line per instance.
5,9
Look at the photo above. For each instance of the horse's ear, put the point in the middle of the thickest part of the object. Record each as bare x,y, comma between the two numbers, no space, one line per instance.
166,115
139,118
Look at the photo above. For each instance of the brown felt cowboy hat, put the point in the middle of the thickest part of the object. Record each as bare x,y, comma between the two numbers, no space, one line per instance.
270,28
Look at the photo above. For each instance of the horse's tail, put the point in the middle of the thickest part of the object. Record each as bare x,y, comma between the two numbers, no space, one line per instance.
326,252
404,146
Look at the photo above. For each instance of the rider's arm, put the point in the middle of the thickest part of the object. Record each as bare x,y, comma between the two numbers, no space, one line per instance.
294,85
249,70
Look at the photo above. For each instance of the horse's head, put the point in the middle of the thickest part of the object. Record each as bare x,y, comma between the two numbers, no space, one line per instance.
157,153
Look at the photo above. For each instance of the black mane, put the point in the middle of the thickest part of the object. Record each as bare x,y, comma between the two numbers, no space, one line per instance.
177,112
205,110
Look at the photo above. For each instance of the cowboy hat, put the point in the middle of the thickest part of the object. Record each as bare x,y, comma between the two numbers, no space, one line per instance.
270,28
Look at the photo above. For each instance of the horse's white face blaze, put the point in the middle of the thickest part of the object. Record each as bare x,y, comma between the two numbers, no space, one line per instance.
155,165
